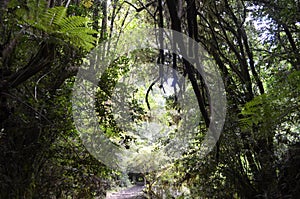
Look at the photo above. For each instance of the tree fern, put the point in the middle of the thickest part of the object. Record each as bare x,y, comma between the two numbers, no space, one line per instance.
55,15
271,109
70,28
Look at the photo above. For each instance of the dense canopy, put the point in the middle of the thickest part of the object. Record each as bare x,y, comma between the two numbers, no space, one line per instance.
154,106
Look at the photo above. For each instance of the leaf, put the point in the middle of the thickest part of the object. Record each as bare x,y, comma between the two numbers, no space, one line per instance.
271,108
72,29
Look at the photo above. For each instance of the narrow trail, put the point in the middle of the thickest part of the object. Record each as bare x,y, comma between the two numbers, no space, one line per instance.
135,192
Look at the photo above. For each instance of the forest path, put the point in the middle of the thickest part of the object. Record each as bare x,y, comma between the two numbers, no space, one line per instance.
135,192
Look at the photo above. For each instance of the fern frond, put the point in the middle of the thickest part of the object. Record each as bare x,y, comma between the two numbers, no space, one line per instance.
55,15
271,109
72,22
82,37
73,29
82,31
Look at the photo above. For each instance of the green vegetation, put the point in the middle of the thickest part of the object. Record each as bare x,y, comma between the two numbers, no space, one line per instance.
255,46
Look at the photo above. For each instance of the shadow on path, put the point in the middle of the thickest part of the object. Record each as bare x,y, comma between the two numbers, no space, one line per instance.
135,192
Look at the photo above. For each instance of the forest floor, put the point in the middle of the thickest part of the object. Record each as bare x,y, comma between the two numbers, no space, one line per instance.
135,192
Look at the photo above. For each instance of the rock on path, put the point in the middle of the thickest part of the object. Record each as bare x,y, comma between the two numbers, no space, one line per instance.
135,192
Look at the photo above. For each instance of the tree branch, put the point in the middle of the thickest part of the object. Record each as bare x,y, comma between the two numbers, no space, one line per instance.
141,8
148,91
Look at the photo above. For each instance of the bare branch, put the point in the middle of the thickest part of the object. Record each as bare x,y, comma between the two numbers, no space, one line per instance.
141,8
148,91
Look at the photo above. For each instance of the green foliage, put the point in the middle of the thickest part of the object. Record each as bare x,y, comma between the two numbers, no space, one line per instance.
73,29
274,108
41,155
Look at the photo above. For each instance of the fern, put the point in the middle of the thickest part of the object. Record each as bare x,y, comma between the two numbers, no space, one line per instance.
270,109
72,22
72,29
56,14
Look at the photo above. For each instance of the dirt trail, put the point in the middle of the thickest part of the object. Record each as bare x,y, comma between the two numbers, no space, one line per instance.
135,192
